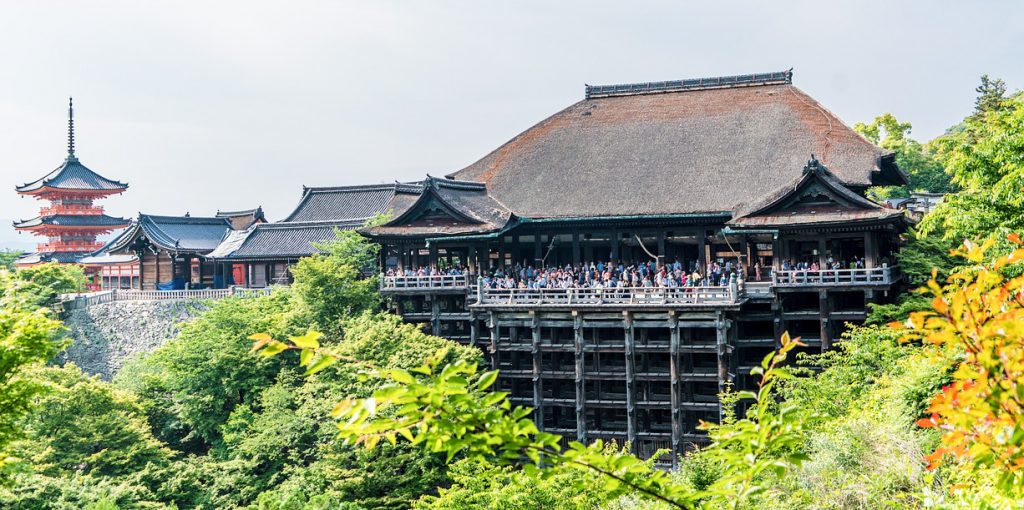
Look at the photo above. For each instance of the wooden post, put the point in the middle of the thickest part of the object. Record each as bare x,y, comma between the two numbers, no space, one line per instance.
614,246
581,390
630,331
824,314
702,255
576,248
435,315
870,250
538,254
492,323
777,255
538,389
661,248
822,256
722,351
675,388
474,329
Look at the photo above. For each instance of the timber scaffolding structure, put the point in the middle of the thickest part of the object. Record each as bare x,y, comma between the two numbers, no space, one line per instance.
640,365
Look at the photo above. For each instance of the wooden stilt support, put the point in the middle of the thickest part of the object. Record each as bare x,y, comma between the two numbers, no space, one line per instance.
581,390
538,389
630,338
675,388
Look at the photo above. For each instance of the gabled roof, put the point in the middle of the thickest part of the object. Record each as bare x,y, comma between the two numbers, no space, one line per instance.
350,203
187,234
73,175
279,240
674,148
448,207
241,220
74,220
815,197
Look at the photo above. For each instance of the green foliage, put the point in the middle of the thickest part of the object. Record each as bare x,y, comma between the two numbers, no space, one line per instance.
28,336
446,407
40,286
986,159
7,258
86,426
194,382
924,170
332,286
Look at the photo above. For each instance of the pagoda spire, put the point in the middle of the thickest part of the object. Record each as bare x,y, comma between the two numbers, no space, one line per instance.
71,130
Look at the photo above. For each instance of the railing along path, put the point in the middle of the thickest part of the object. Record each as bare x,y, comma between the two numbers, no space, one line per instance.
866,276
417,282
609,296
109,296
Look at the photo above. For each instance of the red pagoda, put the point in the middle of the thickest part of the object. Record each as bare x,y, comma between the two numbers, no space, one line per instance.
71,222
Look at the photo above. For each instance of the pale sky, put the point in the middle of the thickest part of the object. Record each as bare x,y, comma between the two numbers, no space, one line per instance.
202,106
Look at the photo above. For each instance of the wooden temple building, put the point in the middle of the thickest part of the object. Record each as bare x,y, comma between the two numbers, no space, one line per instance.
745,174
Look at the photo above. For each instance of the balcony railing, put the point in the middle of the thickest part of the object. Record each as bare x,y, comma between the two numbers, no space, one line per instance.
836,277
417,283
663,296
71,210
68,246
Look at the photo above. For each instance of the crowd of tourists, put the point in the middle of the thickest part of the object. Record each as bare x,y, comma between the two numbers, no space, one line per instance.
604,275
596,275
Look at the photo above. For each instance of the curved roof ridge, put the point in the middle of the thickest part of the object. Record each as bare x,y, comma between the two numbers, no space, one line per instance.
79,177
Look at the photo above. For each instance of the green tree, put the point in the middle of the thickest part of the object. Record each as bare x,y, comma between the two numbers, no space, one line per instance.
28,336
41,285
924,170
339,283
7,258
991,94
986,159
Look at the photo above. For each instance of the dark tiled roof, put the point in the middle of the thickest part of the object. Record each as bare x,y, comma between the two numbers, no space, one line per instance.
681,150
282,240
345,203
174,233
73,175
468,206
188,233
661,87
75,220
63,257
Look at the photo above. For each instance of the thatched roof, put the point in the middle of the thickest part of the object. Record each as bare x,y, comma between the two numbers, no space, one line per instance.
686,148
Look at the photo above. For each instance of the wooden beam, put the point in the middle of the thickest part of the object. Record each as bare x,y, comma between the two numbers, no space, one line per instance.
630,331
675,388
538,388
824,313
581,390
492,323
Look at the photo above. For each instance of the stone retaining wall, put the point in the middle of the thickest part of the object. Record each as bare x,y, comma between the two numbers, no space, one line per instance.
106,335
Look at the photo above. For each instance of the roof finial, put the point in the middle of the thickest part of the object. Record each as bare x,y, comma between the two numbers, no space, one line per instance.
71,129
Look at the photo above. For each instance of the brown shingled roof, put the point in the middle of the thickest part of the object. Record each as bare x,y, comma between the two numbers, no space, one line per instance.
688,151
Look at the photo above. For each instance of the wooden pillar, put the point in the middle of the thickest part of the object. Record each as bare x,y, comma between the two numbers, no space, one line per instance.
538,255
433,261
576,249
501,252
615,246
200,270
870,250
702,255
492,323
474,329
822,256
538,388
722,351
630,332
435,315
824,315
676,389
744,257
777,256
581,390
661,247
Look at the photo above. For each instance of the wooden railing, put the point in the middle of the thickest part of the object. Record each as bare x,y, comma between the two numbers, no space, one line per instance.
434,282
837,277
73,301
612,296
